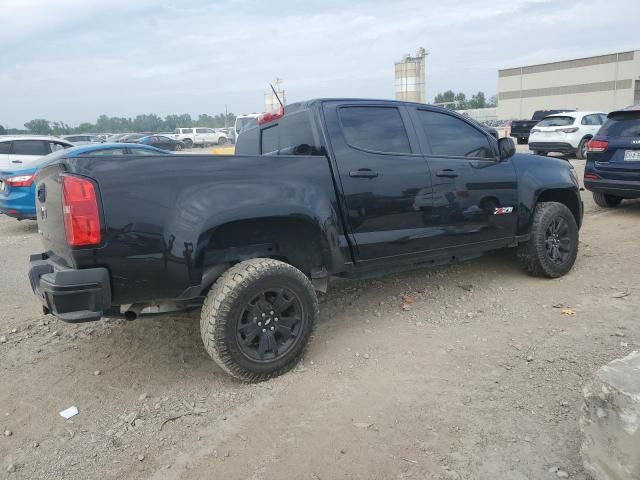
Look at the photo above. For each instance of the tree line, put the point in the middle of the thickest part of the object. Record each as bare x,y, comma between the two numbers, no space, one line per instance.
140,123
459,101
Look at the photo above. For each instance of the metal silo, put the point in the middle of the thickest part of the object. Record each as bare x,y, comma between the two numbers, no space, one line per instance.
410,77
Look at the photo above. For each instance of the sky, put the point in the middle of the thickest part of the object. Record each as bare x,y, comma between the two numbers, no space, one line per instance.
72,60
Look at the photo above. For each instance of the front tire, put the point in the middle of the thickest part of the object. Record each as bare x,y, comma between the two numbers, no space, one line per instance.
522,141
188,142
552,247
257,319
605,200
222,141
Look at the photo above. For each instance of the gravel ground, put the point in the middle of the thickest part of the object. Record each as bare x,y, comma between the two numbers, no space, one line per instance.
466,372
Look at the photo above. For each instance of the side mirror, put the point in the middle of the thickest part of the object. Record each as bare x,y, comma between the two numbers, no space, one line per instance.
507,147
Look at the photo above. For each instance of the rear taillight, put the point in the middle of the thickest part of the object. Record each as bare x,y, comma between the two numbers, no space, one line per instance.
591,176
597,146
80,207
567,130
19,181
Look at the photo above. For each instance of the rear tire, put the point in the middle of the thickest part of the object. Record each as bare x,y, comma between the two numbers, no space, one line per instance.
552,247
522,141
257,319
222,141
581,151
605,200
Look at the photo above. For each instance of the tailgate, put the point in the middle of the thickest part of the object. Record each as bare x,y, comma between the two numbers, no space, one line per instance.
50,215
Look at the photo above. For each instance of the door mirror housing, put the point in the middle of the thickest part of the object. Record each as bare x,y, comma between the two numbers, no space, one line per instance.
507,148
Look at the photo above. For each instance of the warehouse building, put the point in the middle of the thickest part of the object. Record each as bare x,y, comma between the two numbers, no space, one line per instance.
604,82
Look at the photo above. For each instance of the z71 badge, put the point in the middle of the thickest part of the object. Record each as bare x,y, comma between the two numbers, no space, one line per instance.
502,210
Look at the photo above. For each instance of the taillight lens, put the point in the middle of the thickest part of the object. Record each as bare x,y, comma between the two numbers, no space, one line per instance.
597,146
591,176
568,130
80,207
19,181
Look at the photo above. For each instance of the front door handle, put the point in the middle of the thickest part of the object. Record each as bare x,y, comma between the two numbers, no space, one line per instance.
363,173
447,173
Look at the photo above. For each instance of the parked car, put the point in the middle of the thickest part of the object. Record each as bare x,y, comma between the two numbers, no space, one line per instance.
521,129
199,136
133,137
17,189
83,139
22,151
566,133
160,141
314,193
612,171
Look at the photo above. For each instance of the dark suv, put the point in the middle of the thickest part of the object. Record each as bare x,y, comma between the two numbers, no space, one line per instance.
612,171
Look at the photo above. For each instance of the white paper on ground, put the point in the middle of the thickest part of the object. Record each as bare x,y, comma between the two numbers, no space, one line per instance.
69,412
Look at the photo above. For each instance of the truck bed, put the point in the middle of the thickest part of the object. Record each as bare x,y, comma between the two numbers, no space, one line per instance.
159,214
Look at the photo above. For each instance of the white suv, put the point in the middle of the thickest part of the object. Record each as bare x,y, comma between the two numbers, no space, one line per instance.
200,136
567,133
18,152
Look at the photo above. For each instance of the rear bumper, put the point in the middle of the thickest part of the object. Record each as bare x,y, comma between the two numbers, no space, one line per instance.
18,203
549,147
71,295
620,188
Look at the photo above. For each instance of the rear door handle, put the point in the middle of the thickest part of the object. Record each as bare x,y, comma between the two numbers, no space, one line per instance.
447,173
363,173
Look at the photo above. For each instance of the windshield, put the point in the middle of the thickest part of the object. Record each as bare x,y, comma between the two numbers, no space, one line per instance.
245,122
557,122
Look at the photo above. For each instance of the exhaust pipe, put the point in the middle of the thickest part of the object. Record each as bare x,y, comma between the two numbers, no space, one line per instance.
133,311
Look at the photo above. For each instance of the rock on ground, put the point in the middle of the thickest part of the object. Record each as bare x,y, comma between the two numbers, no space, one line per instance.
610,421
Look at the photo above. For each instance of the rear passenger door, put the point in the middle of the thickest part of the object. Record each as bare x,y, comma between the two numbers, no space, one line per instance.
475,194
385,180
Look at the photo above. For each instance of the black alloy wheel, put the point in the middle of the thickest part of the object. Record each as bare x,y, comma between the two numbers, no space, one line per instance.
269,325
558,241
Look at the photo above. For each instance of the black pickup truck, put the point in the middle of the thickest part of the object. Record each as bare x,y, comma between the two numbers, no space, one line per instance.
333,188
521,129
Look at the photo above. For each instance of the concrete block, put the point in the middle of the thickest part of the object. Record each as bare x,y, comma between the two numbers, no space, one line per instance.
610,421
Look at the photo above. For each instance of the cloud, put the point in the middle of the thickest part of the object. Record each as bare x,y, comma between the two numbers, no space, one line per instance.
73,60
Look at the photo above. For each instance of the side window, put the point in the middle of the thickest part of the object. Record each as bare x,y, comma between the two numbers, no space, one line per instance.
201,130
55,146
106,152
379,129
293,135
603,118
449,136
30,147
5,147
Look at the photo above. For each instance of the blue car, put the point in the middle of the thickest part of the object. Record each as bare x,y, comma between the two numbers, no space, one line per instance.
612,171
17,190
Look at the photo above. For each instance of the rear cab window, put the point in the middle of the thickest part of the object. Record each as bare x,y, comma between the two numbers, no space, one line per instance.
294,134
560,121
622,124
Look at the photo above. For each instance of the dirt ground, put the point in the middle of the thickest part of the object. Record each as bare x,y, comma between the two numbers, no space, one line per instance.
478,377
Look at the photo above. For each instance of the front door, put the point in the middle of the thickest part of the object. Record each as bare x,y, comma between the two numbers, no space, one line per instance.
385,180
475,194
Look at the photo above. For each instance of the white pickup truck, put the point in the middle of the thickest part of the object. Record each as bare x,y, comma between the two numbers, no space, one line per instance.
200,136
